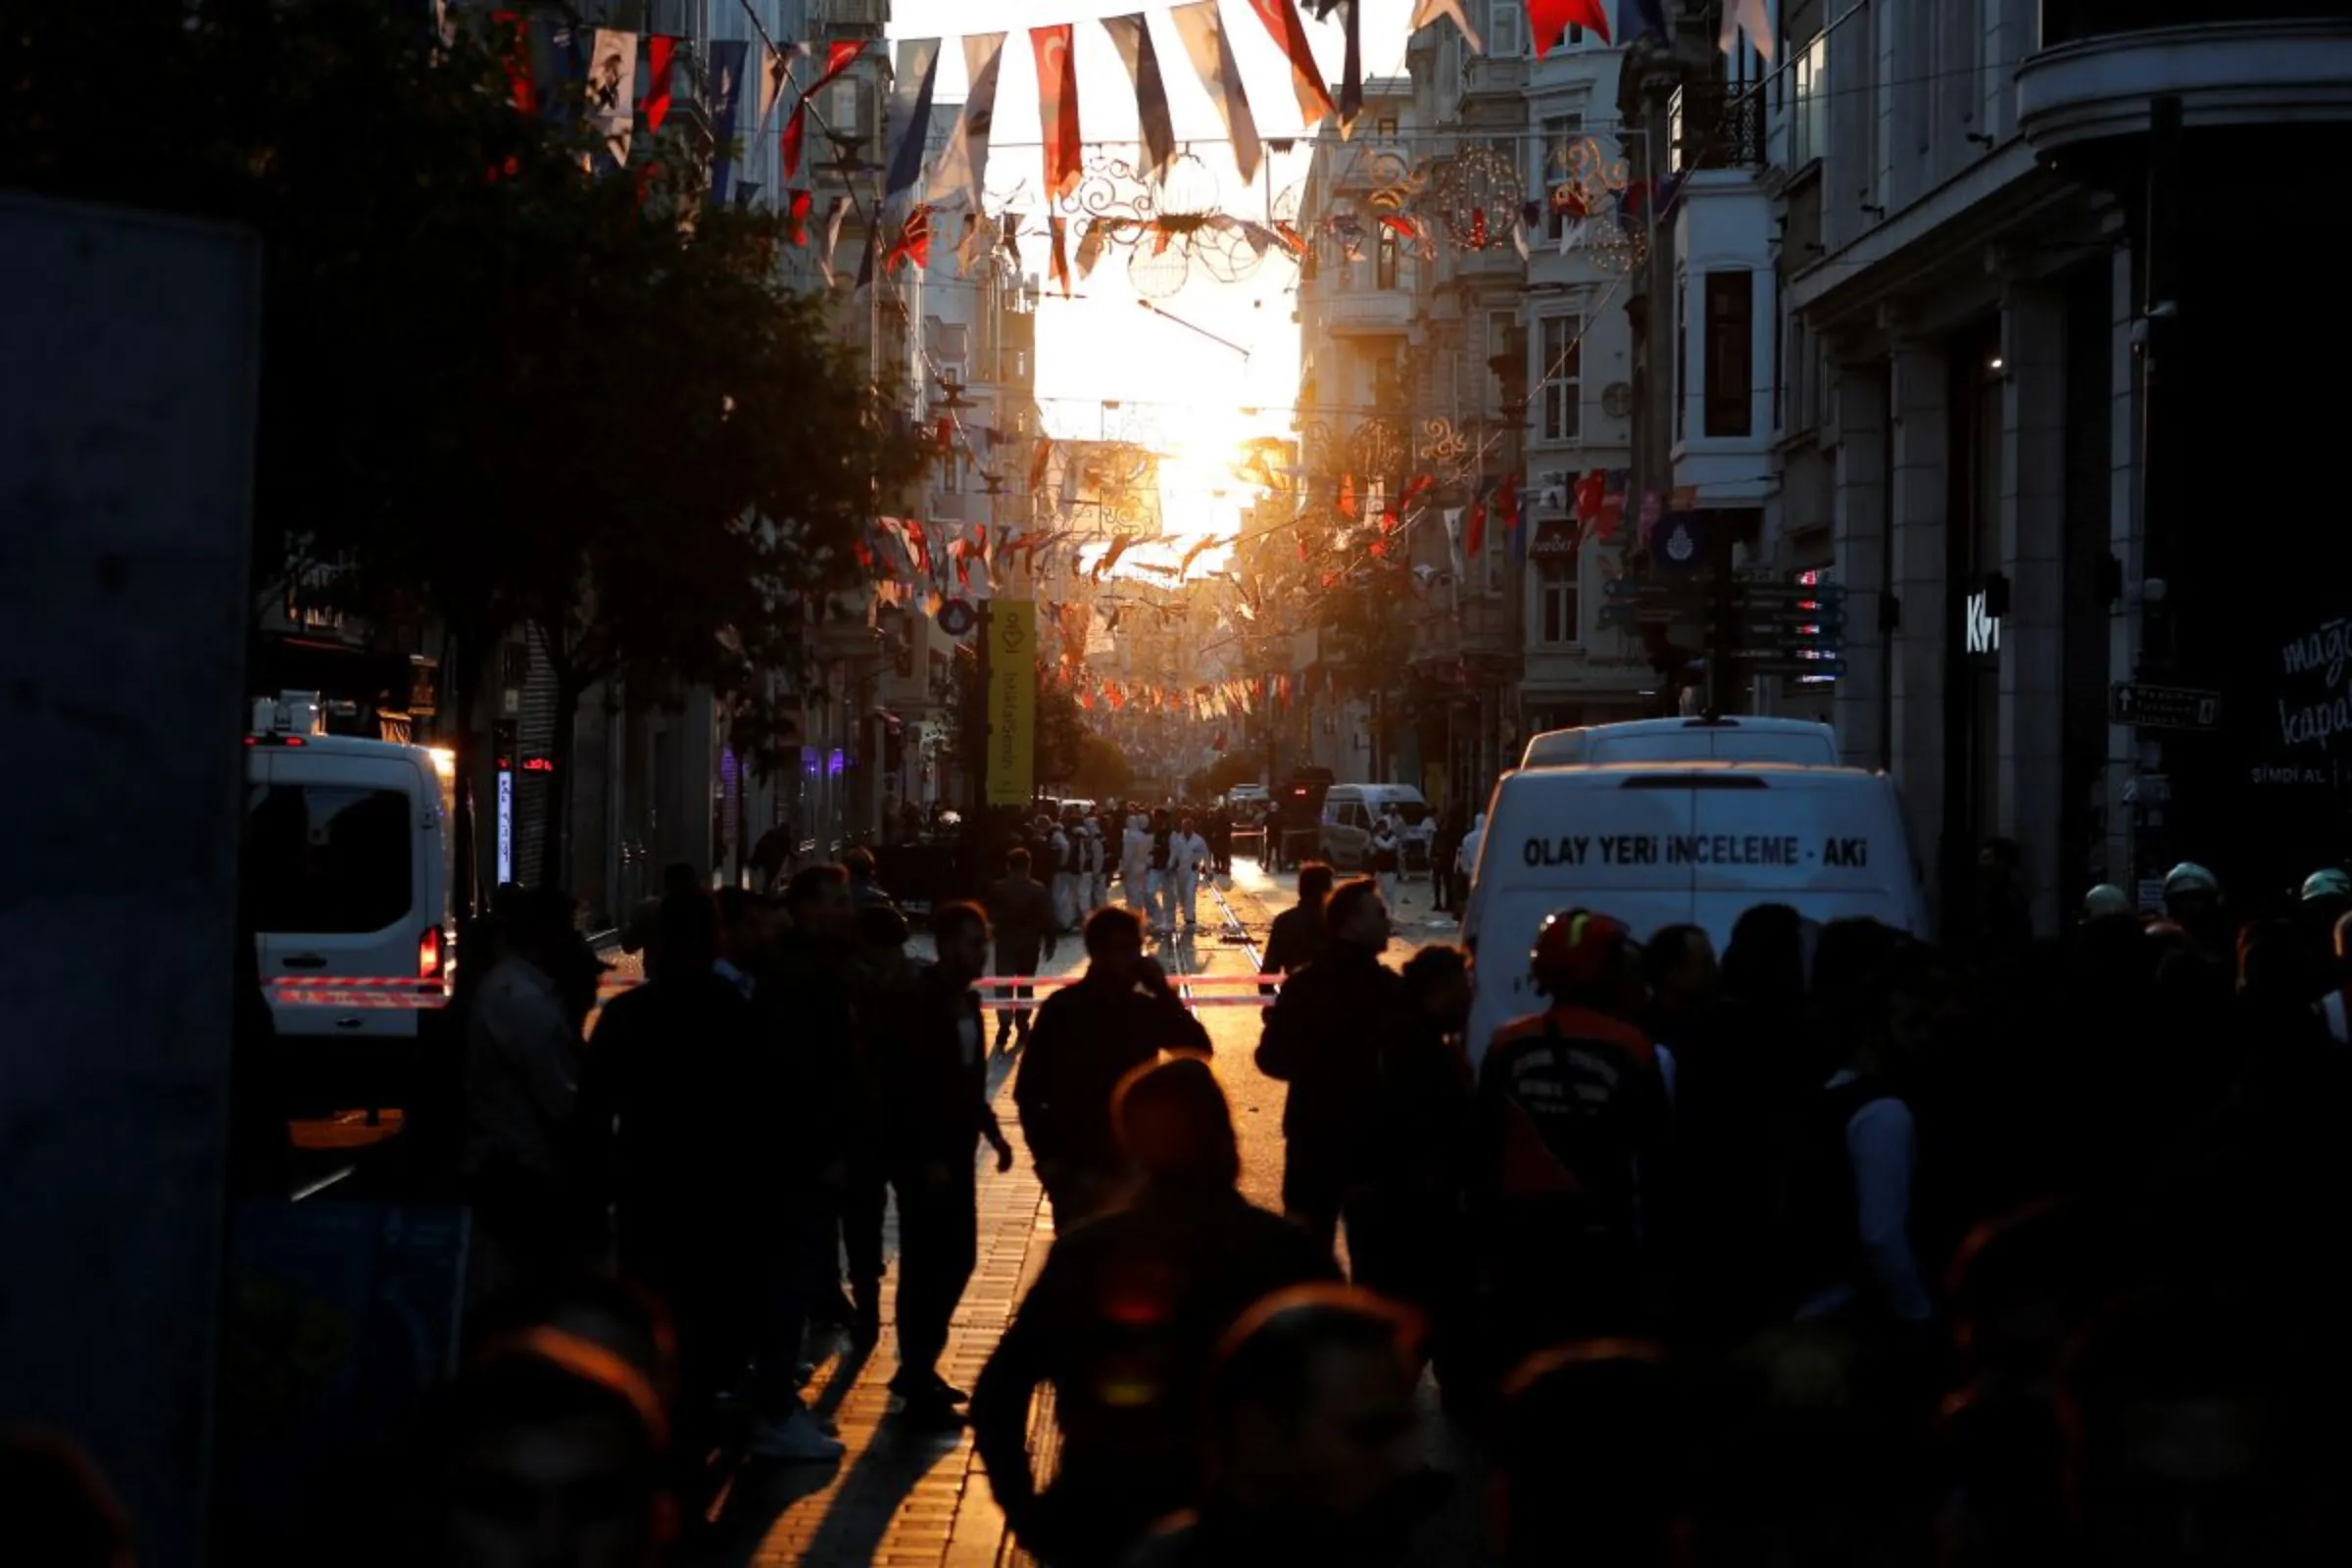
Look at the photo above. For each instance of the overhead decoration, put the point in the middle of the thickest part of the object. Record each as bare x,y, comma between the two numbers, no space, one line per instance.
1476,195
963,164
1546,20
1752,16
1210,50
1133,40
839,58
1289,33
1169,225
1058,105
661,52
728,57
1429,11
911,85
612,89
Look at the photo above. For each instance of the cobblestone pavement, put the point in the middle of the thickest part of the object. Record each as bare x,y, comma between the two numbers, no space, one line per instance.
903,1500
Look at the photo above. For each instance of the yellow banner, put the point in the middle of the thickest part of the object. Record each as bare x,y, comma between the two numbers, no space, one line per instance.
1011,702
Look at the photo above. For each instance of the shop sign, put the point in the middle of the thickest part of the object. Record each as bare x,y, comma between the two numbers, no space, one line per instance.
2315,704
1983,627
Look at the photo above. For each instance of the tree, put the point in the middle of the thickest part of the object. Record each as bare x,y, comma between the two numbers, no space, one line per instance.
496,391
1242,767
1102,773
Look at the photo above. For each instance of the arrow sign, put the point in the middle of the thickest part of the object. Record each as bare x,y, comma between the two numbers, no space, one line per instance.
1644,588
2182,708
1639,614
1789,593
1826,618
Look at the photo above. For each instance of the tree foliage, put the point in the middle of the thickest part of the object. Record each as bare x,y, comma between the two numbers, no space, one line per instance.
498,390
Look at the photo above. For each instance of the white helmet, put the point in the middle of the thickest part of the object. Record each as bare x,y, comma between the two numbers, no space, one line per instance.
2189,877
2105,902
2329,882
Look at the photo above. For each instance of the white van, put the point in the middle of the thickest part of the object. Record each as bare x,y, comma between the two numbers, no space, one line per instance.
1655,845
347,857
1351,811
1744,739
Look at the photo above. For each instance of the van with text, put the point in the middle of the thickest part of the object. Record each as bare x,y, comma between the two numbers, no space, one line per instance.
1661,844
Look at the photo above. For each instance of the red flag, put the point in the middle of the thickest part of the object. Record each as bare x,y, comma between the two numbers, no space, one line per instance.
1473,533
800,215
1414,489
913,243
838,59
1346,496
1057,107
1281,18
658,50
1591,491
1551,18
1038,463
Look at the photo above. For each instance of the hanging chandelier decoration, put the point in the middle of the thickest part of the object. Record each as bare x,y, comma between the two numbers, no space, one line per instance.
1474,197
1168,226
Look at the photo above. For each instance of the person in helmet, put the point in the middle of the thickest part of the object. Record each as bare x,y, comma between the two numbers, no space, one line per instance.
2192,901
2105,902
2327,898
1572,1119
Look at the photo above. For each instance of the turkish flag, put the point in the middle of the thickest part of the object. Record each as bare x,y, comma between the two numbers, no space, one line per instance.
1551,18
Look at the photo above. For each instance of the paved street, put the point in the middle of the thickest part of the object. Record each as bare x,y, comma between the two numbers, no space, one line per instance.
906,1502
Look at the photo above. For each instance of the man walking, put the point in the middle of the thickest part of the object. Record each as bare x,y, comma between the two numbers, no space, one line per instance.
936,1094
1022,912
1188,854
1121,1017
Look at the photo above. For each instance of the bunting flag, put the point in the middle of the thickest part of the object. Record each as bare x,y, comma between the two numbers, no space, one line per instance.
1203,31
1429,11
1288,31
913,243
1550,19
659,51
728,56
1640,18
1060,264
799,201
1057,107
1133,40
520,84
1752,16
1091,248
1038,463
910,111
967,251
834,218
838,59
776,69
963,163
612,89
1352,68
1475,532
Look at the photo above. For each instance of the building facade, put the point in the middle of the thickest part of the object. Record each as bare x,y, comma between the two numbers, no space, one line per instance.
2056,437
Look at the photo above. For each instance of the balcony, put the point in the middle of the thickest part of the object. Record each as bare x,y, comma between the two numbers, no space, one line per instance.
1713,129
2231,62
1365,313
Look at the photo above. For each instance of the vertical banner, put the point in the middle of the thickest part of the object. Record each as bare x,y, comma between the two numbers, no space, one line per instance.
1012,701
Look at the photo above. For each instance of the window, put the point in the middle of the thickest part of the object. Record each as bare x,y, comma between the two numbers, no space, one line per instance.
1556,601
1563,378
1384,259
1730,373
330,861
1386,130
1562,133
1809,103
1502,331
844,105
1506,31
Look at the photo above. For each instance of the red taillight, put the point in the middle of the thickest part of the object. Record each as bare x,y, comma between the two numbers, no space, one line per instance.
293,740
428,953
253,740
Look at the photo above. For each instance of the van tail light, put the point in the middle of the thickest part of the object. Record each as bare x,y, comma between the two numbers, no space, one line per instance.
428,953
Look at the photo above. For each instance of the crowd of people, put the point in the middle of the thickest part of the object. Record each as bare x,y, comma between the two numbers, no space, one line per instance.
1833,1246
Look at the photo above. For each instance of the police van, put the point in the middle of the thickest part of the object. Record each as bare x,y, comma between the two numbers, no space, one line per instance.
1743,739
348,872
1663,844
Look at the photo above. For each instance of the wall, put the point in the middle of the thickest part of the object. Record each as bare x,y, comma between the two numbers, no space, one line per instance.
125,442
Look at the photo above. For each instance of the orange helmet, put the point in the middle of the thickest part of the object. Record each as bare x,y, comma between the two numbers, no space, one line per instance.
1578,947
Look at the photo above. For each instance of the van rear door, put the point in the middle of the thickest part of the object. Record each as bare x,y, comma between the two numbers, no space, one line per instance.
337,851
1831,843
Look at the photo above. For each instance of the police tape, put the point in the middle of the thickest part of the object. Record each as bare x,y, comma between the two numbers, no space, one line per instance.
999,992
